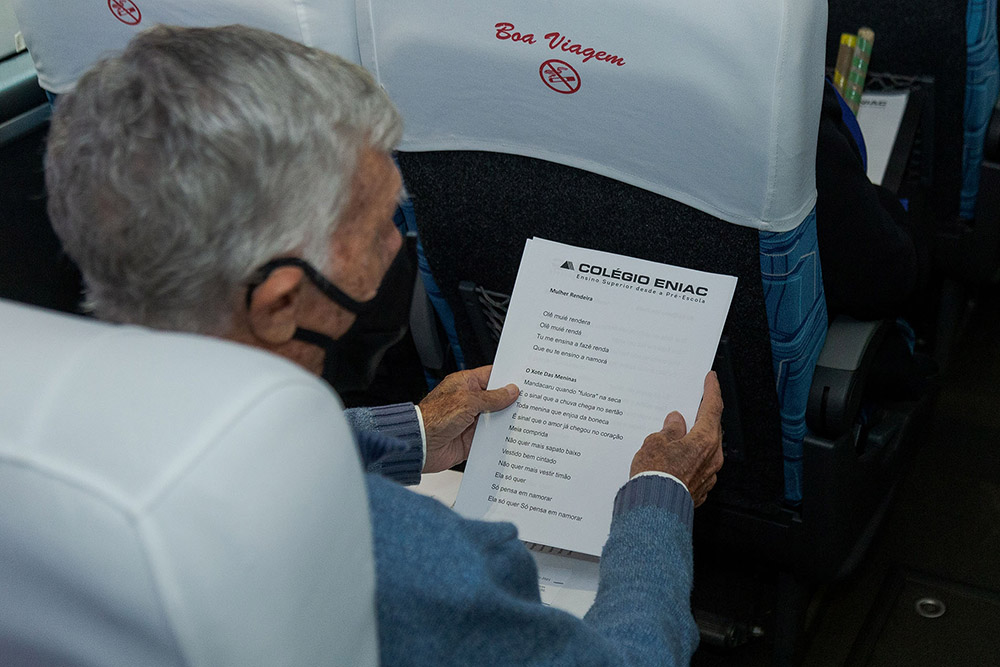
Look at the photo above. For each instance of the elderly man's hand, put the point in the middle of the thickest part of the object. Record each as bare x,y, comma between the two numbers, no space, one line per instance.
695,457
450,413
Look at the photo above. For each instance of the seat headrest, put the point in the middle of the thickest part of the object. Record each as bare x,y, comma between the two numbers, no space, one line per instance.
170,498
65,39
715,104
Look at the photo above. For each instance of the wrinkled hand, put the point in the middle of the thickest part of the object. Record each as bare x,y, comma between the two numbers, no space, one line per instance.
695,457
451,411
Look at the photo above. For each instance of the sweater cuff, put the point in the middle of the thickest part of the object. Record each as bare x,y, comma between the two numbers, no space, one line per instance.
401,423
656,491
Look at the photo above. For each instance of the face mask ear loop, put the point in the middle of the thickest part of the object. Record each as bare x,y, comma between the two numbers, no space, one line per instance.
305,335
329,289
313,338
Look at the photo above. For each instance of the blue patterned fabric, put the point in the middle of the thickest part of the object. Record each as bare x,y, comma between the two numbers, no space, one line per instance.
796,316
851,121
982,84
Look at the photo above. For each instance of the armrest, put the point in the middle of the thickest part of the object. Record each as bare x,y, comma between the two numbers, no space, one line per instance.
841,374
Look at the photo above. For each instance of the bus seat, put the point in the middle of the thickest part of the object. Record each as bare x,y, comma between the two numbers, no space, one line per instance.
964,67
171,499
651,132
539,152
66,40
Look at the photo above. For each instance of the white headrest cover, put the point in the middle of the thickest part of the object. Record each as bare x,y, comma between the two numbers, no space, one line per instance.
171,499
714,103
66,38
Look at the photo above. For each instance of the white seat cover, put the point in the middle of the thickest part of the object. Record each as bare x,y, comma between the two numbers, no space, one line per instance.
713,103
168,499
66,38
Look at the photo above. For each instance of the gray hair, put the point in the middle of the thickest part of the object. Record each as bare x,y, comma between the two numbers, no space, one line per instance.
178,167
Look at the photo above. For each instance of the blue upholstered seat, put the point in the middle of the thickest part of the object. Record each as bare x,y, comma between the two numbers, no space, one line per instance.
796,316
982,85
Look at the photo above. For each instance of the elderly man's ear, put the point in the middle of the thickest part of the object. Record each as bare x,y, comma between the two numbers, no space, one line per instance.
275,305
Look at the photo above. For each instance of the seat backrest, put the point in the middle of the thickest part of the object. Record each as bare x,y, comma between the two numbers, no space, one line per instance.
650,131
668,98
965,67
170,499
67,38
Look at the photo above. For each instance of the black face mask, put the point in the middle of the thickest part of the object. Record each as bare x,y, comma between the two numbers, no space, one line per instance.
352,360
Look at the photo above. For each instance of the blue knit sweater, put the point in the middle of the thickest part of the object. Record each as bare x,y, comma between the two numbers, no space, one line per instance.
453,591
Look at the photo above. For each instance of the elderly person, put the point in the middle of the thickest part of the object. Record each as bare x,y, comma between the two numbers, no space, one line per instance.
230,182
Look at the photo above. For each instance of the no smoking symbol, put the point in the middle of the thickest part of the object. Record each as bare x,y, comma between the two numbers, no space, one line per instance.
560,76
125,11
